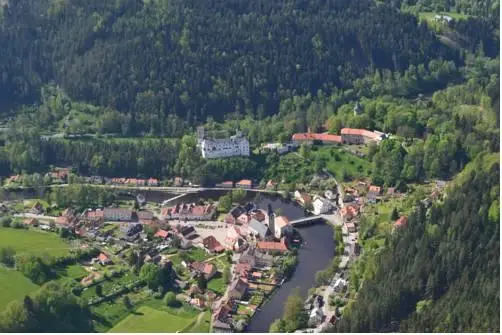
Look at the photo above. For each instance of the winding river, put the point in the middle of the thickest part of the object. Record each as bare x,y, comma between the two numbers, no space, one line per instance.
315,255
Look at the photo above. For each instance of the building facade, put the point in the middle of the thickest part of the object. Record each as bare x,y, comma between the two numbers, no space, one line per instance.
360,136
236,145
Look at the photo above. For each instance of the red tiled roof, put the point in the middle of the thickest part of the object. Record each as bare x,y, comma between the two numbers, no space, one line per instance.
360,132
245,182
231,183
103,258
318,137
162,233
374,188
278,246
212,244
62,220
350,211
402,221
270,183
205,268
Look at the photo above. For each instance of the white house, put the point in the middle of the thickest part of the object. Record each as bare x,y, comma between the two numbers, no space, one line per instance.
282,227
321,206
236,145
316,316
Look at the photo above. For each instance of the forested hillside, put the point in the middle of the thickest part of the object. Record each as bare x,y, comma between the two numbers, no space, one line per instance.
441,272
196,58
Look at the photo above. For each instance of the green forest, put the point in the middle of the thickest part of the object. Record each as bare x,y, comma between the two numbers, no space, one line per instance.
441,274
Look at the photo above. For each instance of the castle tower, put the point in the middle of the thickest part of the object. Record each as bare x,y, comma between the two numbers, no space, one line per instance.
200,133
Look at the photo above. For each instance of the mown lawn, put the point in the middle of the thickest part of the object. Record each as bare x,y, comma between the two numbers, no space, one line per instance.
33,242
13,285
202,326
148,320
217,284
293,167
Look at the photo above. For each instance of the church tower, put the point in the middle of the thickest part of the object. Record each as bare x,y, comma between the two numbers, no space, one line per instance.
271,220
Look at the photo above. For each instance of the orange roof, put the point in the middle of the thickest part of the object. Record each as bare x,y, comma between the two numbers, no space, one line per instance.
162,233
245,182
318,137
349,211
227,183
402,221
374,188
103,258
281,221
278,246
360,132
203,267
212,244
63,220
270,183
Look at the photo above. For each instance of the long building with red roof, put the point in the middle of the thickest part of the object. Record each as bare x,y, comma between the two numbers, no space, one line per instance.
360,136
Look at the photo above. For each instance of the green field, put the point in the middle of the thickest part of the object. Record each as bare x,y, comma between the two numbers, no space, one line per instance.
13,285
33,242
148,320
201,325
217,284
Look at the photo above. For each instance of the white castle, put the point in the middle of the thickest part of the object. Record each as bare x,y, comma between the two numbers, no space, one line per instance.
236,145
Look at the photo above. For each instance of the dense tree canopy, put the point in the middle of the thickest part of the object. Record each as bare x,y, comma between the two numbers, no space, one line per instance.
201,58
441,272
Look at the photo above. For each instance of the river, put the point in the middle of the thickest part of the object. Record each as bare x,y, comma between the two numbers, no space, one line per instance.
315,255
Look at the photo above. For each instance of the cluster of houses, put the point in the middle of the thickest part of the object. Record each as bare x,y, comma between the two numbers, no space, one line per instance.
319,204
246,273
189,212
258,224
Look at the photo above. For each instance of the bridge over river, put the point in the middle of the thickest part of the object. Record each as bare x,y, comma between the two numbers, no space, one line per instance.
334,219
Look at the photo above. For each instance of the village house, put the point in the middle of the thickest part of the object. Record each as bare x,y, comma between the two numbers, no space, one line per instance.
102,259
117,214
259,230
208,270
282,227
349,212
244,183
153,182
360,136
225,184
163,234
255,259
178,182
316,317
270,185
321,206
401,222
234,240
303,198
268,247
238,289
375,189
244,219
189,212
242,270
231,217
187,231
221,322
212,245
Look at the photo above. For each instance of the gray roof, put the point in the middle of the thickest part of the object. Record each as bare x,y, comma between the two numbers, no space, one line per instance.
259,227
